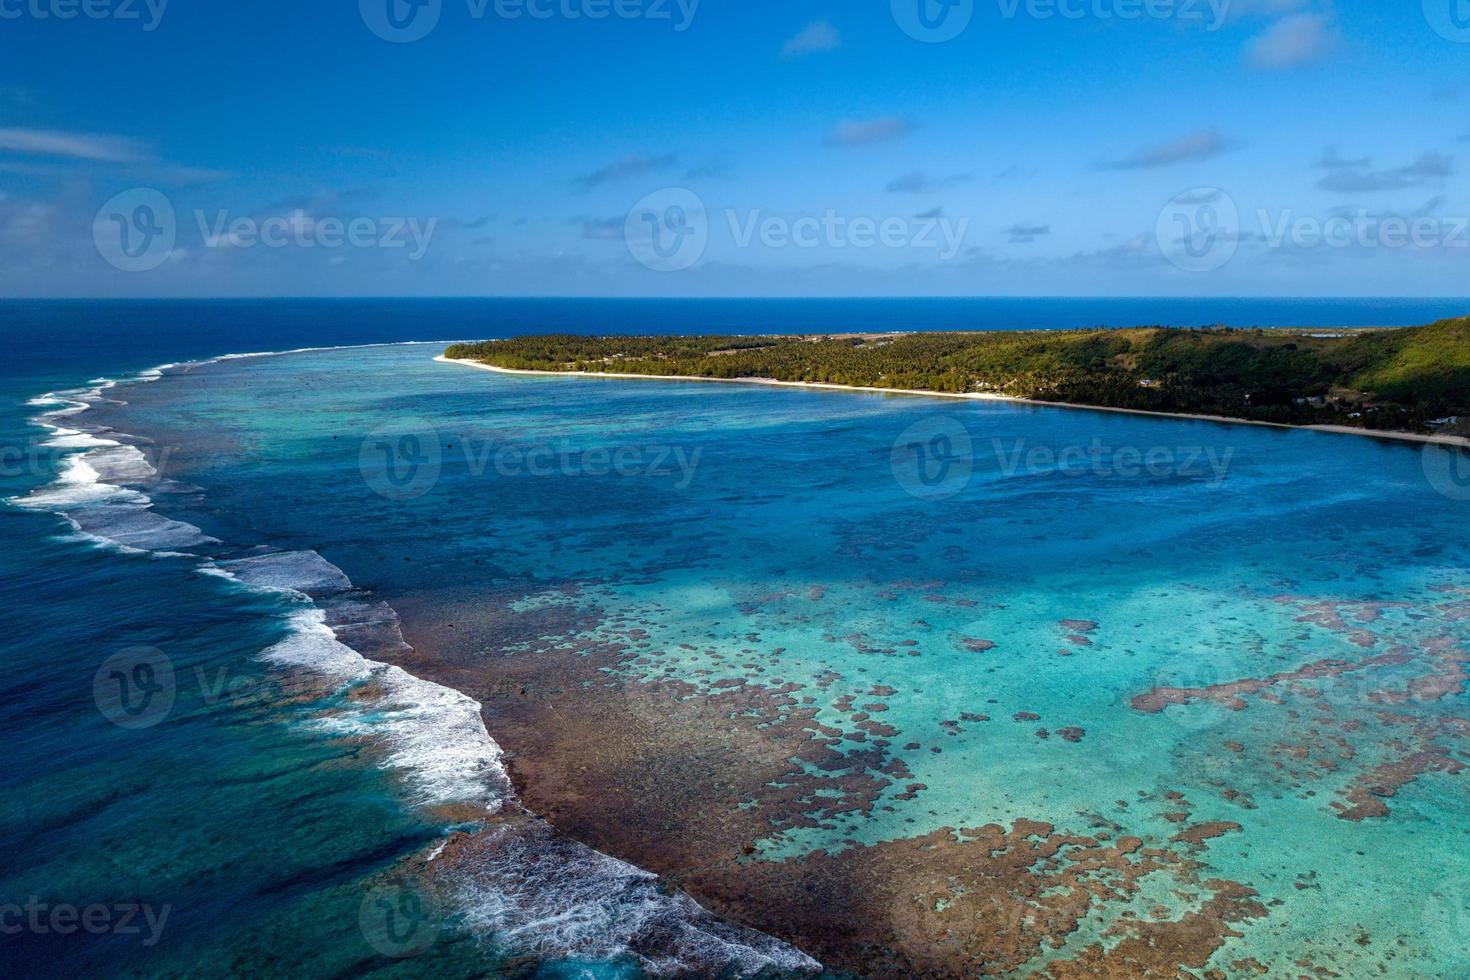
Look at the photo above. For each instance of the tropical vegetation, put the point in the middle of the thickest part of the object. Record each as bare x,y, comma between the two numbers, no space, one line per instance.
1415,378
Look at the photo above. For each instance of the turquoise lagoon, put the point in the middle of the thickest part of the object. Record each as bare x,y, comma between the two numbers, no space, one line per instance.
1092,585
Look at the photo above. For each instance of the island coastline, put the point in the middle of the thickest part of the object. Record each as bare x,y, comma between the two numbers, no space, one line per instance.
1381,434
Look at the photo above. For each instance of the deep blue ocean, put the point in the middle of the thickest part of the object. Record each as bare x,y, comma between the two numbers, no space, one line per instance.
244,826
46,334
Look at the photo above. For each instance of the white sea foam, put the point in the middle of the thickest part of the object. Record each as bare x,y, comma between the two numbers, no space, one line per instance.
541,893
516,888
95,488
121,465
313,646
433,737
107,512
534,891
70,407
75,439
297,571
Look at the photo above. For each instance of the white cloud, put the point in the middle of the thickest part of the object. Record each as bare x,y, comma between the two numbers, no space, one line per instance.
1196,146
1356,177
31,223
919,182
636,165
866,131
820,36
1292,42
1242,9
1025,234
1332,159
74,146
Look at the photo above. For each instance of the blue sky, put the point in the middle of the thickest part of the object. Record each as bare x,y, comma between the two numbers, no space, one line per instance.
1050,147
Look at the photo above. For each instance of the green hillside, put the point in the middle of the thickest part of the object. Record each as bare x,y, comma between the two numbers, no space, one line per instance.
1401,378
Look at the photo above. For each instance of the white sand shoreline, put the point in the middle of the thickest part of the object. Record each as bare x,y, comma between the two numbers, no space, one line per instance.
1346,430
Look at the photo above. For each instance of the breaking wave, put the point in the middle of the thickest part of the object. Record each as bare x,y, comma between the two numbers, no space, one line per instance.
518,883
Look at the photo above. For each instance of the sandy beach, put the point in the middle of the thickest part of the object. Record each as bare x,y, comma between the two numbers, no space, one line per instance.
1346,430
